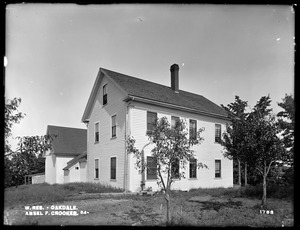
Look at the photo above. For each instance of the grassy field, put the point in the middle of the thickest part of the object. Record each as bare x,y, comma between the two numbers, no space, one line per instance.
199,207
45,193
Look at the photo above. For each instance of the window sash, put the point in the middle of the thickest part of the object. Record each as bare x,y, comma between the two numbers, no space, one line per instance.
104,94
174,120
113,168
175,169
151,118
193,168
114,126
151,168
97,132
96,168
217,168
193,129
217,133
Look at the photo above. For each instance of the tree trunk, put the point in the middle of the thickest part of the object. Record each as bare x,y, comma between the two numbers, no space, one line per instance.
167,197
264,197
246,182
239,171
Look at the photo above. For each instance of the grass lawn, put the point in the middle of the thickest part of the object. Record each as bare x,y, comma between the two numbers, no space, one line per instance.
199,207
45,193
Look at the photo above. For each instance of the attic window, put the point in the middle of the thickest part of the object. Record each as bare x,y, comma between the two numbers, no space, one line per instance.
105,94
76,168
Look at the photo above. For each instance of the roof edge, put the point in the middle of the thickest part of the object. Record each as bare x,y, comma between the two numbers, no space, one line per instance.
95,90
91,98
186,109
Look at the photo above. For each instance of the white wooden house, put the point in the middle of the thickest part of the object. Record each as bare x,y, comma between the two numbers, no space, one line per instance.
120,105
66,162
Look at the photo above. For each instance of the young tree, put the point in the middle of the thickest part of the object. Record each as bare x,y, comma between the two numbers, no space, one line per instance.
12,116
263,141
172,149
257,140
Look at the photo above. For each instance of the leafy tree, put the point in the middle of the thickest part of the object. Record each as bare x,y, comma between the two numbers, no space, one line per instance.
257,139
286,123
233,137
27,159
171,145
12,116
263,142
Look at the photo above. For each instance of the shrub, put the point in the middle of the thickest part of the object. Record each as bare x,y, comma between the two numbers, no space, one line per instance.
273,191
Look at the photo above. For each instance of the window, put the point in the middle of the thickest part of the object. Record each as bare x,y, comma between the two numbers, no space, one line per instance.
218,133
76,168
217,168
96,168
28,179
151,168
113,126
97,132
193,168
113,168
193,129
174,120
175,169
105,94
151,118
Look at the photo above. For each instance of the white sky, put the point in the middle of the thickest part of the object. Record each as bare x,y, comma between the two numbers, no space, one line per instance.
54,52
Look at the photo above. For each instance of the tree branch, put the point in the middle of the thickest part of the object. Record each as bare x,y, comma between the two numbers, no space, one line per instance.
160,176
260,171
269,167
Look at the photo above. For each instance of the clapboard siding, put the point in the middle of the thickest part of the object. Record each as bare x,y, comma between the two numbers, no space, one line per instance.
207,152
107,147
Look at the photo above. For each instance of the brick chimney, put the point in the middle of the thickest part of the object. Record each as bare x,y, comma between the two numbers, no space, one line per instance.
175,78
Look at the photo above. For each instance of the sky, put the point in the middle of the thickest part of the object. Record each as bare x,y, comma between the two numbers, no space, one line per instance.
54,52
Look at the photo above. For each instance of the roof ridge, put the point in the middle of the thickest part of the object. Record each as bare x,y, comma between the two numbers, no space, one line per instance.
180,90
136,78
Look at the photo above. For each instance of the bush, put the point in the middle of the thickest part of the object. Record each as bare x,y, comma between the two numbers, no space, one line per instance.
273,191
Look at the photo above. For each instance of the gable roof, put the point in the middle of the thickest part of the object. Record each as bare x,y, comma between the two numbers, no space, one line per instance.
80,158
153,93
69,141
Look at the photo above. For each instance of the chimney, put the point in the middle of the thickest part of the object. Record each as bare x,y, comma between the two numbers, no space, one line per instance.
175,78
